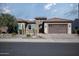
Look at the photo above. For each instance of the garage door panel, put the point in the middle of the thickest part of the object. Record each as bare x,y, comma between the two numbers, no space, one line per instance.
57,28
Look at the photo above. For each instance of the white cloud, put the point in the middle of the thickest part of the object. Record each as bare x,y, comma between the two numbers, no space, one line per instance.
48,6
6,10
71,5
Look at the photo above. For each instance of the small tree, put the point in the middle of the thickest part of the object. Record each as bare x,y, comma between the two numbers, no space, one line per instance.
9,21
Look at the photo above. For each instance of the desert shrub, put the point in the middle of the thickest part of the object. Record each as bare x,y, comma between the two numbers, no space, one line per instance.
28,35
73,31
40,37
13,34
0,31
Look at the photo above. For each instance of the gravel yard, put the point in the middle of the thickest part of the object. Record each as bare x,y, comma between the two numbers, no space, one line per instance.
41,38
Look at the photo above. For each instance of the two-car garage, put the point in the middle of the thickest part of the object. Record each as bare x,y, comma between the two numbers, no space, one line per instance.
57,28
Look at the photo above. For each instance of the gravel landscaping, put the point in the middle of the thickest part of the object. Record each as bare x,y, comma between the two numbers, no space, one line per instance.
40,38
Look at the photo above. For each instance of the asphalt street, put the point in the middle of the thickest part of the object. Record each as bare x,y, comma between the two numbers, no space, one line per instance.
38,49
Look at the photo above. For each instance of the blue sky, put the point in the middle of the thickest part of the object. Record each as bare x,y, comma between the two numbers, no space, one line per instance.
49,10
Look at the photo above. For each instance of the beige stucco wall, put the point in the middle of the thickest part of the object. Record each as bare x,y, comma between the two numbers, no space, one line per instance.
45,28
21,26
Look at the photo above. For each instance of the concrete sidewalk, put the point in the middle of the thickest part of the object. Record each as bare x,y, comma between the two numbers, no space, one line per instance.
41,40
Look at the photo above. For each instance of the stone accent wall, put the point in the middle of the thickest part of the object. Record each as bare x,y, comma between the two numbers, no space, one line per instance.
45,28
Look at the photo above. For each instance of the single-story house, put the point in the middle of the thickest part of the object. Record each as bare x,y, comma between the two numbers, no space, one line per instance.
44,25
47,26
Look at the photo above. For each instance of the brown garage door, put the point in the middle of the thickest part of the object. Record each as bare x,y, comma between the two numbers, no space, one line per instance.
57,28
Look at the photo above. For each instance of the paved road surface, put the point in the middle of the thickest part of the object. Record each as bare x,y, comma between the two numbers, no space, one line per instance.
38,49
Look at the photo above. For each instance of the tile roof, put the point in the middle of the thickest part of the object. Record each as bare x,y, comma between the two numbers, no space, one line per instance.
58,20
21,20
25,21
48,20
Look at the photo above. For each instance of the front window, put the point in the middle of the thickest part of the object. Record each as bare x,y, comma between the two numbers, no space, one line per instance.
29,26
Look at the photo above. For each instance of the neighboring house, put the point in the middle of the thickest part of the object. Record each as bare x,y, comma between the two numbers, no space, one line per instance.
3,29
75,24
44,25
